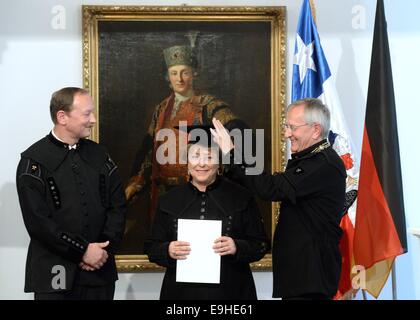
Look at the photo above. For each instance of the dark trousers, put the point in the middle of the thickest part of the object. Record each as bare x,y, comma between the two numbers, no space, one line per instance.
80,293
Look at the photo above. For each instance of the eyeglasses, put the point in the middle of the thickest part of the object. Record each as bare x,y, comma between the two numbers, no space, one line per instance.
294,127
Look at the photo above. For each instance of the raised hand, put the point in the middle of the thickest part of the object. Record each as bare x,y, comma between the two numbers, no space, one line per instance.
221,136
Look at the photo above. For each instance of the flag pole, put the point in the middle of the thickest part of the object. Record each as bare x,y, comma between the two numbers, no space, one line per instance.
394,282
311,3
364,294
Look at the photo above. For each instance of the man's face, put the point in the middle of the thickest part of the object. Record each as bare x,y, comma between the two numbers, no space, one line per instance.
181,78
80,120
301,134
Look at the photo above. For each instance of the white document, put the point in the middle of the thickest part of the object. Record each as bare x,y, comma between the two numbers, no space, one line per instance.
202,264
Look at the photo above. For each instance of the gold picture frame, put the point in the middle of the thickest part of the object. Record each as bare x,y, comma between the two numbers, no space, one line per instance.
121,42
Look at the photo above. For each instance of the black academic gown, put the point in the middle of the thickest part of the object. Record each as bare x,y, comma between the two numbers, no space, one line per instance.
306,255
69,198
241,220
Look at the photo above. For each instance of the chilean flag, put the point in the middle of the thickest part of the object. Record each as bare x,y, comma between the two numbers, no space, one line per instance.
312,79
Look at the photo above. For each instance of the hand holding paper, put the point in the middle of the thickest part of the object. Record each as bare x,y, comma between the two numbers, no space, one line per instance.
179,250
224,246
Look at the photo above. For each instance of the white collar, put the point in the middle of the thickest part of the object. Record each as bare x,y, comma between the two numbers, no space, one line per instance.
55,136
180,97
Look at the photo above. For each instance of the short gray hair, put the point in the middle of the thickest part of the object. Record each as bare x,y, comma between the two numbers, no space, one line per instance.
315,112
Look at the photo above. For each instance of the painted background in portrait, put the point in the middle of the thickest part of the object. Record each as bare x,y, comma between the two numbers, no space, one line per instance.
233,65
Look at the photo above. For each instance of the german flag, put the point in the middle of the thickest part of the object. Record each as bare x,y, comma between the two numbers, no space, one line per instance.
380,231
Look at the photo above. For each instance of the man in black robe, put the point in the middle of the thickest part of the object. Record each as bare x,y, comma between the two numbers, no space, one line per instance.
306,255
73,206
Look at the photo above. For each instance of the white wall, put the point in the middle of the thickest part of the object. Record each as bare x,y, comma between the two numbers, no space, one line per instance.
36,59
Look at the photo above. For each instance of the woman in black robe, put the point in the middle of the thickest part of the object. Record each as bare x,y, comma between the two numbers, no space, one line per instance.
209,196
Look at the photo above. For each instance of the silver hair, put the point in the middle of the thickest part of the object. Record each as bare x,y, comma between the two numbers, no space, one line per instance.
315,112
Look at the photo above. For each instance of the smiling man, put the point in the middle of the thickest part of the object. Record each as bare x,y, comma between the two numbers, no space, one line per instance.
306,255
73,206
